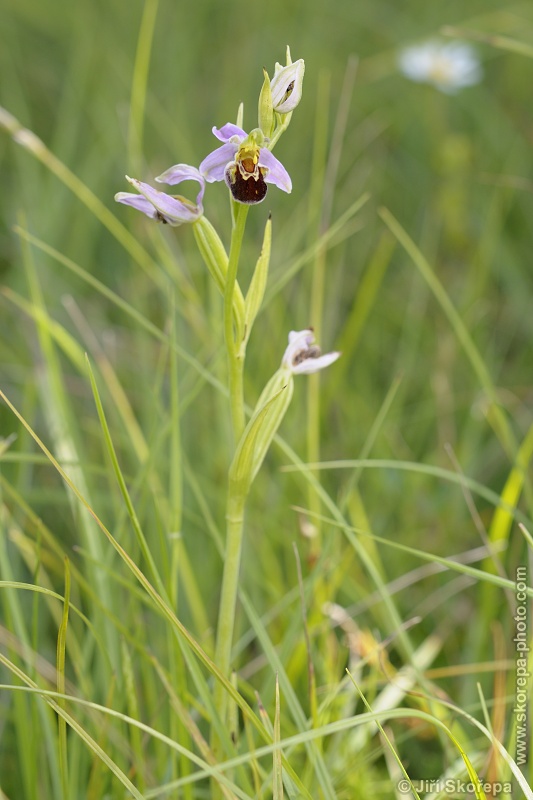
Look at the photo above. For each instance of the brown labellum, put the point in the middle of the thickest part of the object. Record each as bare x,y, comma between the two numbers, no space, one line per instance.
246,190
311,352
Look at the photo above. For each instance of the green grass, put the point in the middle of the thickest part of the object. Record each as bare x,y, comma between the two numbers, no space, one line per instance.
381,646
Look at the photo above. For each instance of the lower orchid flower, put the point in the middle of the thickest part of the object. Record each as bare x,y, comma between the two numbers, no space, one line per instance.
303,356
169,209
244,164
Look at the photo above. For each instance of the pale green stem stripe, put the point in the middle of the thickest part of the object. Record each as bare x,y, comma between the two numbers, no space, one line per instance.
61,655
139,83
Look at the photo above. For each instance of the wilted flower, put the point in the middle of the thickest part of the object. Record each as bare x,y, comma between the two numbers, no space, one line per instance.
286,86
303,356
170,209
244,164
449,66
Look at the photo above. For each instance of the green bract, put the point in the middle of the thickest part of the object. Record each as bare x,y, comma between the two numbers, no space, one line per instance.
266,109
215,258
256,291
260,431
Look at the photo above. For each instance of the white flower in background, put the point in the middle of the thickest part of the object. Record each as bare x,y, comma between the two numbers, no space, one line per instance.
449,66
302,356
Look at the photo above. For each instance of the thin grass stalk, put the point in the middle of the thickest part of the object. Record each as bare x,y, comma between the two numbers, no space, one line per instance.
139,84
51,699
24,732
180,765
277,773
171,509
98,775
177,657
311,676
141,539
228,594
500,421
175,491
161,604
30,142
135,738
61,653
318,172
58,408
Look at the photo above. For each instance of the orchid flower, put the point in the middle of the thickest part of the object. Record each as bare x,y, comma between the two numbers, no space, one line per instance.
169,209
244,164
449,66
303,356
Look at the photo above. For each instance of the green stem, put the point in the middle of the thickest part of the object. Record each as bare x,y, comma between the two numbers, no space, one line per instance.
234,337
228,595
236,497
281,128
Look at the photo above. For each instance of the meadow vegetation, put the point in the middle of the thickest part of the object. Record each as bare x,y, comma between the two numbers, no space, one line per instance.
375,622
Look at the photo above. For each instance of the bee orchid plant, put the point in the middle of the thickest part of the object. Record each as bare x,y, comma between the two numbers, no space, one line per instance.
245,162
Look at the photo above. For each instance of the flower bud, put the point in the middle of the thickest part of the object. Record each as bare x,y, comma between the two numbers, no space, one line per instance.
286,86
